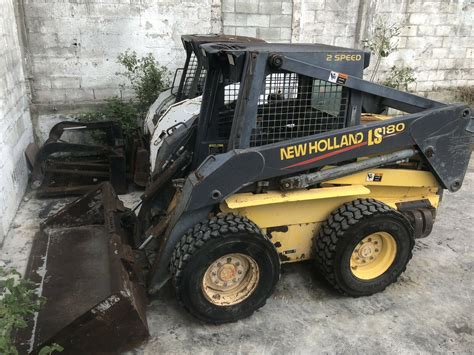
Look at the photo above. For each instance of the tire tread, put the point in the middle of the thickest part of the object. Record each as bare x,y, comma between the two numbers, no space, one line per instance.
334,228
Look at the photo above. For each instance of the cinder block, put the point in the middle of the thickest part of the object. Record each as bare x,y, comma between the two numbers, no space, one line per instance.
426,30
446,63
429,64
326,17
258,20
246,6
444,30
229,30
435,75
65,82
344,41
269,34
440,53
418,19
457,52
270,7
280,20
336,29
228,5
409,31
286,8
231,19
314,5
246,31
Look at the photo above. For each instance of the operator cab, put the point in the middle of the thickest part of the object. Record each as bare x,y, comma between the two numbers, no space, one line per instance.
250,101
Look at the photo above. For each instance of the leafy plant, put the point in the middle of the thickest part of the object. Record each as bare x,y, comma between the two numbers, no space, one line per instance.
126,113
48,350
147,80
146,77
383,41
400,77
18,302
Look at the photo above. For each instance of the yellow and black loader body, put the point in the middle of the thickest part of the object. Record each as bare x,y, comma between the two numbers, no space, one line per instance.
273,144
280,166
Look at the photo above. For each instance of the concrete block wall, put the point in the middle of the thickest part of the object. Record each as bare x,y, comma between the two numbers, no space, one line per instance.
335,22
73,45
16,130
437,40
437,37
269,20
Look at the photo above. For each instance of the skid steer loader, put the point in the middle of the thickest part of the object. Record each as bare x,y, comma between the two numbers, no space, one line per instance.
69,164
280,166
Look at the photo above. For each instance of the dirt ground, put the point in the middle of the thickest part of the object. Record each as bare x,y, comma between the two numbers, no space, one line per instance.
429,310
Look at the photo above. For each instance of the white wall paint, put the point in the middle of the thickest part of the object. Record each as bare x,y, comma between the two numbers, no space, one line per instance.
15,124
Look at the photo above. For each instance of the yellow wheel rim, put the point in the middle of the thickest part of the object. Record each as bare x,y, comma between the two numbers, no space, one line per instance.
230,279
373,255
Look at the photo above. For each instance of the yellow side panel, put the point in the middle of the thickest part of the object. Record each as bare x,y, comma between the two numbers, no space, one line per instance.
286,212
292,219
292,241
272,197
389,177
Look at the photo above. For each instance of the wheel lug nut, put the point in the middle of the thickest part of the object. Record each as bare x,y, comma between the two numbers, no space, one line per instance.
239,272
376,250
370,239
229,260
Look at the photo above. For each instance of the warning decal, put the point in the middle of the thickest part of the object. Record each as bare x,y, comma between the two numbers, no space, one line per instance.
337,78
374,177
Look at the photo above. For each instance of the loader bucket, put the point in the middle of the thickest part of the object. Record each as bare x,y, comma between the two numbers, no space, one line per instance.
86,270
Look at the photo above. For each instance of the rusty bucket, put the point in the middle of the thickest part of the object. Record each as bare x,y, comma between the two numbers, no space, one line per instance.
86,270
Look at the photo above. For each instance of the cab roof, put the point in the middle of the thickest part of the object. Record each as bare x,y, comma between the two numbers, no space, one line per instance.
302,51
212,38
264,47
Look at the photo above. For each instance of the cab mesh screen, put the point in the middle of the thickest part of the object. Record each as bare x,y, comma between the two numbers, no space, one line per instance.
191,77
226,111
292,106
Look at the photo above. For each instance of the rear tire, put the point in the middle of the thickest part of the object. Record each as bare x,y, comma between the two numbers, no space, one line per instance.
224,269
363,247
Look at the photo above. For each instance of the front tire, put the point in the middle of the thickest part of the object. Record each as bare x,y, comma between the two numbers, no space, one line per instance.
224,269
363,247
